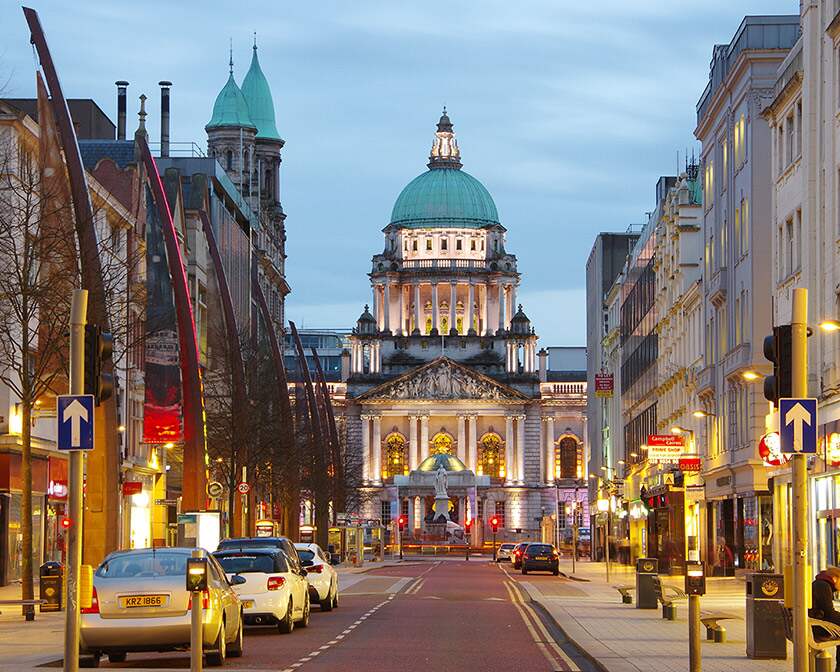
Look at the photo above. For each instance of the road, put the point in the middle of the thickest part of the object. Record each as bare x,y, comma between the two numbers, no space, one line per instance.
424,615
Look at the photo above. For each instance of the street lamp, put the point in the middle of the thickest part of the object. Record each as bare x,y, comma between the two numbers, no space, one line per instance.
700,413
752,376
830,325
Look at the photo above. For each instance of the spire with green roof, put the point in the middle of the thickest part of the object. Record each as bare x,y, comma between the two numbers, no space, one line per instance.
257,94
230,108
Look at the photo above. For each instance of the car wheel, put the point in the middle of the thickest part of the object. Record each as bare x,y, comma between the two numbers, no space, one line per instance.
304,621
116,657
524,571
216,656
335,598
288,623
238,644
89,660
327,602
556,572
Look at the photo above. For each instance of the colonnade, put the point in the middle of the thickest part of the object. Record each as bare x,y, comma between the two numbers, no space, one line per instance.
401,307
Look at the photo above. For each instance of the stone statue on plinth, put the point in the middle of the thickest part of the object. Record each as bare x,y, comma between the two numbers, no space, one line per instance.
440,483
441,497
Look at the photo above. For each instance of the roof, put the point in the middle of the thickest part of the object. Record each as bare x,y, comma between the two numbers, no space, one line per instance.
93,151
444,197
230,108
260,103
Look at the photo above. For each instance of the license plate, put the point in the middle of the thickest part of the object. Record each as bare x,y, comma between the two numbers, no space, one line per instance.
130,601
247,604
541,557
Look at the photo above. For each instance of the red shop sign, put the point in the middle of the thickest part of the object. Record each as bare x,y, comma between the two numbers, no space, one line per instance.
689,464
132,488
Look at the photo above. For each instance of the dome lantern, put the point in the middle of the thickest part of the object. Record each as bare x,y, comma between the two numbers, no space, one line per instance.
445,152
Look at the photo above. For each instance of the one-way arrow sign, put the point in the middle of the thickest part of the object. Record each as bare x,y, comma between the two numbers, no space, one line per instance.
798,423
75,422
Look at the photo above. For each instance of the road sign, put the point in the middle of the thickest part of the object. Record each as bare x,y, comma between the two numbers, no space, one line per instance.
798,425
215,489
243,488
75,422
604,385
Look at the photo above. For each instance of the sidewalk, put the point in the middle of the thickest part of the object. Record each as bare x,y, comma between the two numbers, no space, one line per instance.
26,645
625,639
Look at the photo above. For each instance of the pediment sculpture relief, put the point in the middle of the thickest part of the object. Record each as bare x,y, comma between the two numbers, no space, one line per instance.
443,381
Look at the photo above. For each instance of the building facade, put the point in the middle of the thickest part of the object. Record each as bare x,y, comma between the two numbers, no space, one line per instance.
445,371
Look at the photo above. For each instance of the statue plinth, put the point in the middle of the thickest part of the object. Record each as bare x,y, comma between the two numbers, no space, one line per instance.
441,507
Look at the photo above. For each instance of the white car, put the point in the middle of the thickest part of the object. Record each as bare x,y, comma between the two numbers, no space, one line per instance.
273,592
322,577
504,552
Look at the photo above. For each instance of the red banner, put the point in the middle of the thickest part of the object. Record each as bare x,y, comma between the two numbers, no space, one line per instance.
604,383
689,464
132,488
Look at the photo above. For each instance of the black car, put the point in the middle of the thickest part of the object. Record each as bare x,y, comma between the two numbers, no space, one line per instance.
283,543
541,557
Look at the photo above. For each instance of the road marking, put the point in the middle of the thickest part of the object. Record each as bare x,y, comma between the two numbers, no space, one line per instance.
415,588
495,599
432,597
546,640
313,654
327,645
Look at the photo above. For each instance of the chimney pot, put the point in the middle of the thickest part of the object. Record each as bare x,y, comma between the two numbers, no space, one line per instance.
122,85
164,117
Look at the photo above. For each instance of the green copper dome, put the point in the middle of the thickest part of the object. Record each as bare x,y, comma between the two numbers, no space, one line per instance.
435,462
230,108
444,197
257,94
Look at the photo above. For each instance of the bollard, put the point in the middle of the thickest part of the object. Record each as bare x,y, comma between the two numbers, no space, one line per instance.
669,612
720,634
822,662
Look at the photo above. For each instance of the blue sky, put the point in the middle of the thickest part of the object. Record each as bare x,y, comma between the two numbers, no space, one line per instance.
567,112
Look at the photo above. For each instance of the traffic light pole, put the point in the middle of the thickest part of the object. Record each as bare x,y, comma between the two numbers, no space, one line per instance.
799,472
78,311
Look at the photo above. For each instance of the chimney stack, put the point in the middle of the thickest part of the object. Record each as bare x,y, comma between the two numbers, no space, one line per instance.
164,117
122,85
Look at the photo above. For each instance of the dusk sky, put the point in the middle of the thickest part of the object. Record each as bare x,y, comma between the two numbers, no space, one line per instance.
567,112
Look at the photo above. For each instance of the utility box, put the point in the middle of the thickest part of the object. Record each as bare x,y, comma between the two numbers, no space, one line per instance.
765,623
647,581
51,577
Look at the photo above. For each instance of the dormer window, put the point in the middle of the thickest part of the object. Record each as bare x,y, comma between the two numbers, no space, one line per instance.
458,244
443,244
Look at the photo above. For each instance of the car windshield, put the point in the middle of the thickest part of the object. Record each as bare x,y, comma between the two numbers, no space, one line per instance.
144,564
306,554
250,563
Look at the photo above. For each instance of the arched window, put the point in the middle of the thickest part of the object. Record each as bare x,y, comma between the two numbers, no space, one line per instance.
229,160
395,462
566,458
442,444
491,455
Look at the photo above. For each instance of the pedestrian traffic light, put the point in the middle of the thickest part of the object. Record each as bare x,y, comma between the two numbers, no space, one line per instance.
494,524
66,523
401,523
99,349
196,574
778,350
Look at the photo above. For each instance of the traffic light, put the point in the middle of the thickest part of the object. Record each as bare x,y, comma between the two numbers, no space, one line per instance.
401,523
66,523
99,349
494,524
778,350
468,525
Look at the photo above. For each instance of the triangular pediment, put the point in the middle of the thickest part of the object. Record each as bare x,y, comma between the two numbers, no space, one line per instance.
443,380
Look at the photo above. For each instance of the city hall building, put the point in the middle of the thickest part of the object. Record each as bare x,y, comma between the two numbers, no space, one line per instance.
445,371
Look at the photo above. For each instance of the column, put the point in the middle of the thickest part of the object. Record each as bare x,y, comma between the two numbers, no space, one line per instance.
472,443
375,357
410,521
509,467
376,306
470,310
418,513
413,448
462,438
377,449
401,327
520,448
501,306
482,292
419,326
513,307
424,437
453,299
435,308
549,449
386,320
366,448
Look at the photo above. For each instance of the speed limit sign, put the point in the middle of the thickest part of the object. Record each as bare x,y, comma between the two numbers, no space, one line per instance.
215,489
243,488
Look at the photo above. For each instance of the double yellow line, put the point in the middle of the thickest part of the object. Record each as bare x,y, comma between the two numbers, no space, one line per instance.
415,586
556,657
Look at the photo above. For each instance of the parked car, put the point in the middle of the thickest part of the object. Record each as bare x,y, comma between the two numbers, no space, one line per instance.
320,574
283,543
541,557
504,552
516,553
140,603
273,591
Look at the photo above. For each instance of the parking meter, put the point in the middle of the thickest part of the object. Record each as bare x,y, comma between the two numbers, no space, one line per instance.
695,578
196,574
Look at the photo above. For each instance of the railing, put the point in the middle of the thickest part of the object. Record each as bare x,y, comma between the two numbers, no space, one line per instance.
564,388
189,149
447,264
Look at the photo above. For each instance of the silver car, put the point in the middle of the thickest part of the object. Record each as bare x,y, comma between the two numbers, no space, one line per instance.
504,552
140,603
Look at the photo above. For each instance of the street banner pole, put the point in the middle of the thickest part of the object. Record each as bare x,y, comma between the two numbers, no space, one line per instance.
694,650
78,311
799,472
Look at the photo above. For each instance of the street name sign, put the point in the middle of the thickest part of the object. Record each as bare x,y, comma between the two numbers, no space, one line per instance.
75,421
798,425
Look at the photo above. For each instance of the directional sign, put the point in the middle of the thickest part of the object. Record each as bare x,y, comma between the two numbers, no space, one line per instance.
798,423
75,422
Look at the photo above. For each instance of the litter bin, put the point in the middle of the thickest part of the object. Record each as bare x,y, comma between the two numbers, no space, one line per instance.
50,578
765,623
647,580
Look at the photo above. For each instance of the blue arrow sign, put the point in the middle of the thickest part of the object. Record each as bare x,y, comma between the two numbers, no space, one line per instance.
75,422
798,425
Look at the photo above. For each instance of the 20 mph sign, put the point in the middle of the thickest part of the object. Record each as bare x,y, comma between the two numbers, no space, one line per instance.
243,488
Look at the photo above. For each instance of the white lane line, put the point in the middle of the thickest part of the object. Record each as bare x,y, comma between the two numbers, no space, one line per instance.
313,654
295,665
332,641
326,646
340,637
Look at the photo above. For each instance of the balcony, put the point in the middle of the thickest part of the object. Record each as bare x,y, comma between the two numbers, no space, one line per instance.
706,380
717,288
737,360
